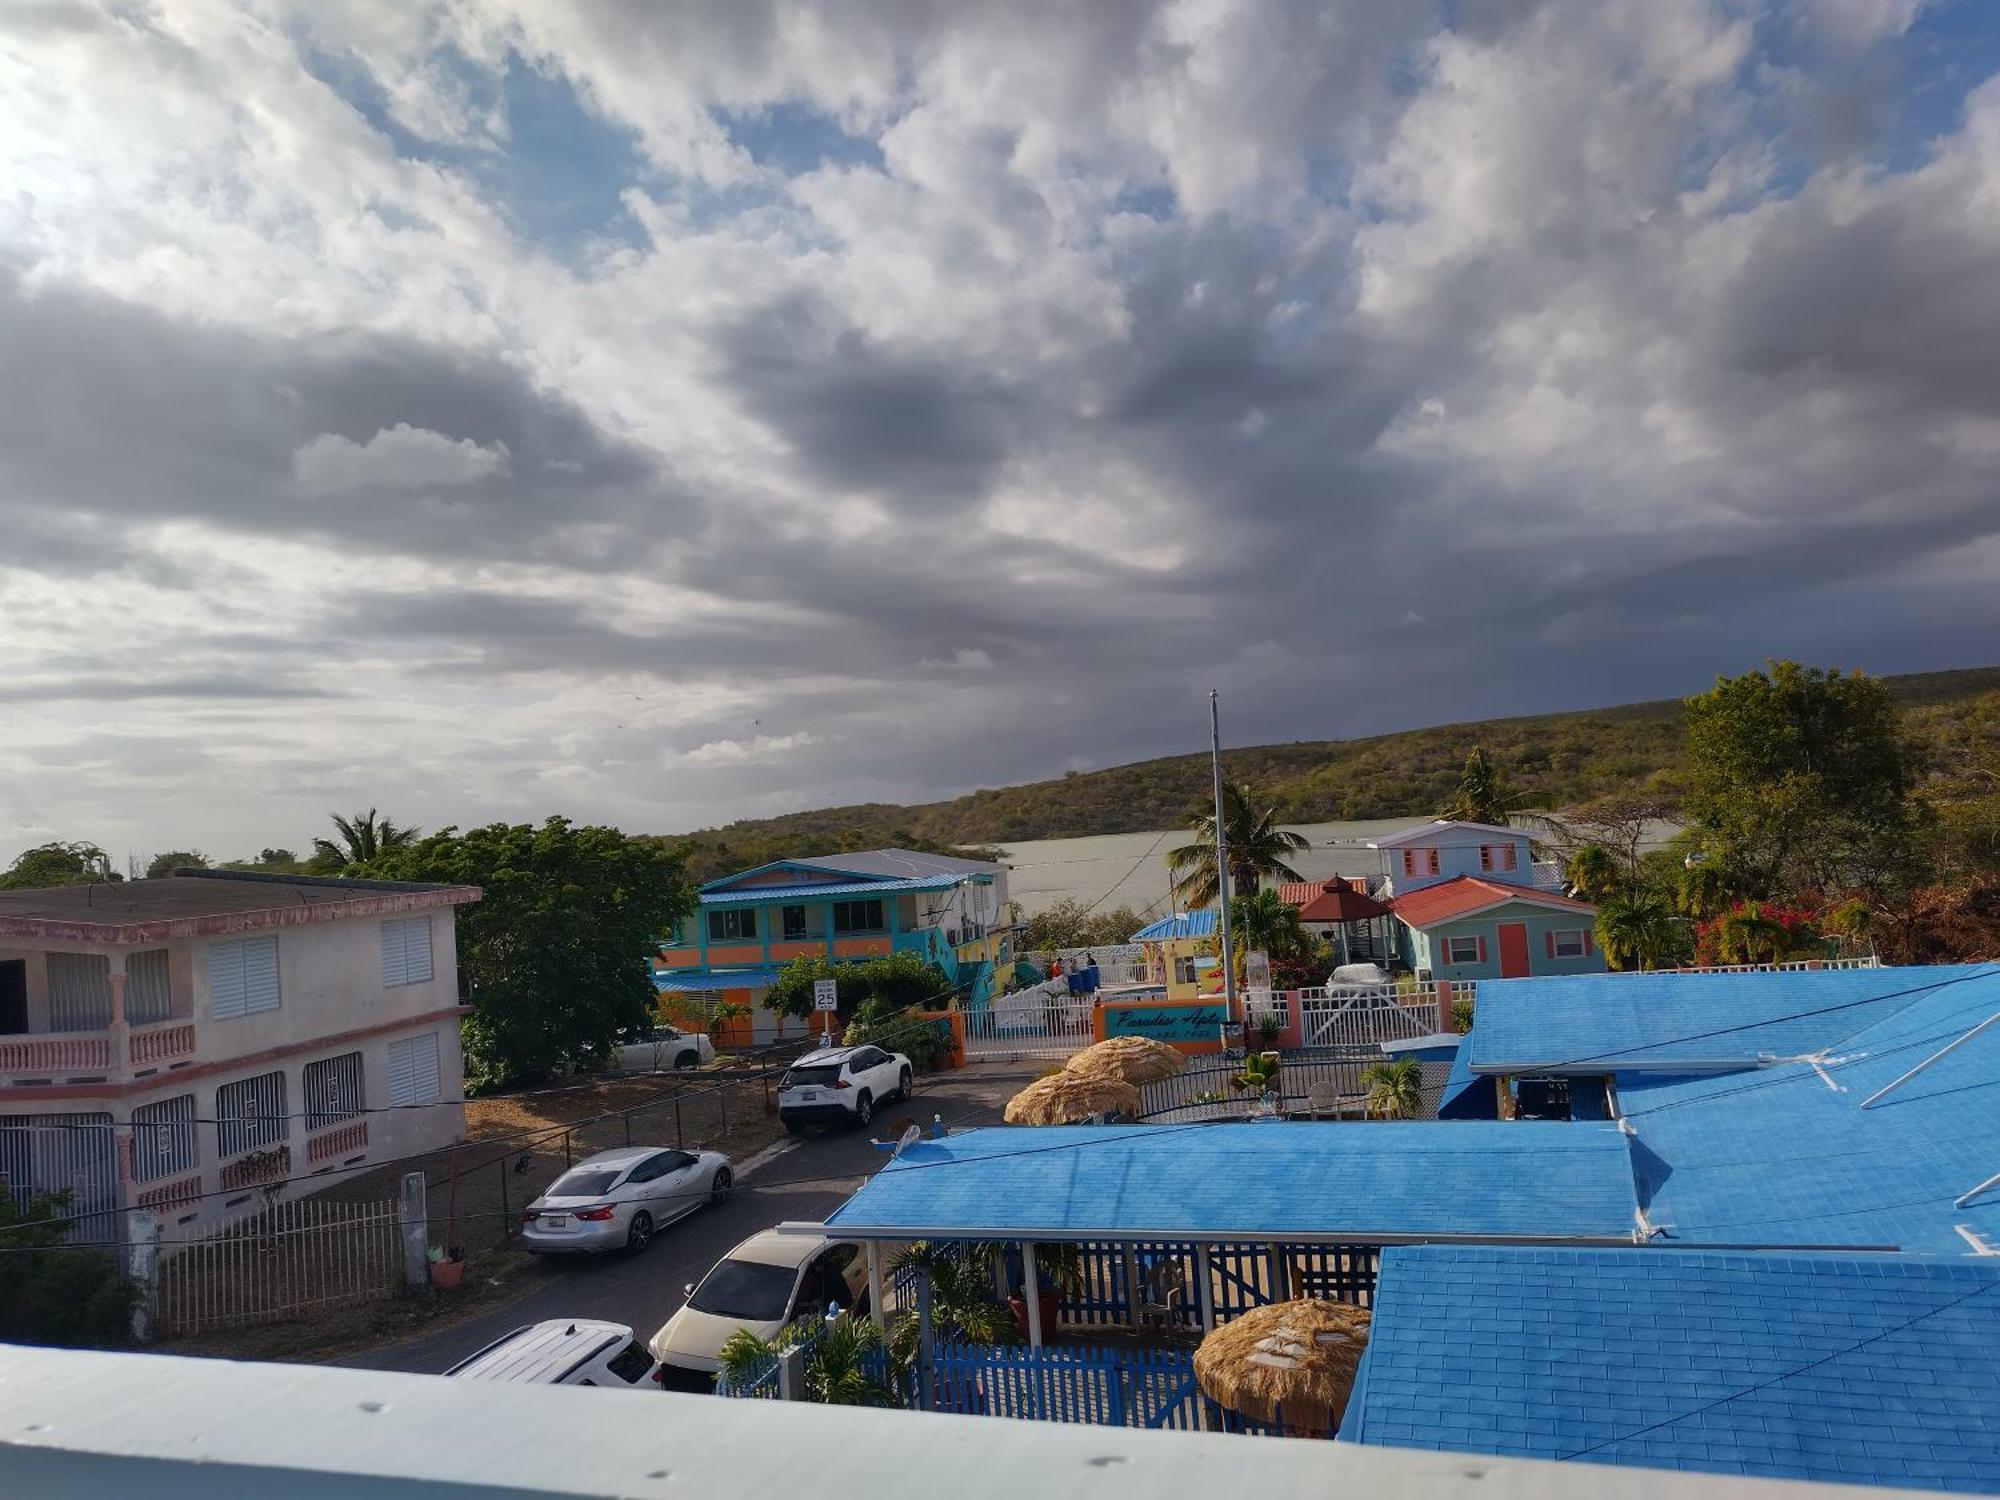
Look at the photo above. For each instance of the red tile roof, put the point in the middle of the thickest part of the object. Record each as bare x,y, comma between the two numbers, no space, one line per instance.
1341,902
1464,894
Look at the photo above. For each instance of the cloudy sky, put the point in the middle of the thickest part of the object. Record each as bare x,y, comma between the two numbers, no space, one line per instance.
664,413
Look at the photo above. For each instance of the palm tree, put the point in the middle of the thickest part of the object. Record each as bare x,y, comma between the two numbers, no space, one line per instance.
362,838
1257,847
836,1366
1265,923
1395,1089
1593,874
1483,795
964,1309
1636,931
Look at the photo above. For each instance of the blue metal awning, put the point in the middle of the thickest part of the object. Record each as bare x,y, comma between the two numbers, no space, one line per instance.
1376,1183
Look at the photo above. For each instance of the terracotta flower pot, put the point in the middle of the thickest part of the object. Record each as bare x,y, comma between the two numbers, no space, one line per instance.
446,1274
1051,1300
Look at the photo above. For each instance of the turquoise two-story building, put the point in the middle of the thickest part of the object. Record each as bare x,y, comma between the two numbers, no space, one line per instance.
842,908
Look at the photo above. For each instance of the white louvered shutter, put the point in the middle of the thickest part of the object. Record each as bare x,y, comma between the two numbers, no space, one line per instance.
225,980
243,977
406,951
413,1070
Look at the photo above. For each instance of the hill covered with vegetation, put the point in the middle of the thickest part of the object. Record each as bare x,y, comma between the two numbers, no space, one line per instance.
1554,760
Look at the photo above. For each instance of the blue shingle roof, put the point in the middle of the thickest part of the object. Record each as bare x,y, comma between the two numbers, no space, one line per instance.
1257,1181
1776,1157
684,981
1863,1369
1185,924
1597,1021
822,890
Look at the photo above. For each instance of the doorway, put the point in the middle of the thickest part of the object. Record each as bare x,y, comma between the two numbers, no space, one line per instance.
1513,950
13,997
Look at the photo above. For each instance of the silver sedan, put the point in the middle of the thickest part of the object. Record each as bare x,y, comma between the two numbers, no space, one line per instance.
620,1199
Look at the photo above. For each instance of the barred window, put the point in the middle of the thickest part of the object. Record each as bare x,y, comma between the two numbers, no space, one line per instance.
163,1139
332,1090
250,1114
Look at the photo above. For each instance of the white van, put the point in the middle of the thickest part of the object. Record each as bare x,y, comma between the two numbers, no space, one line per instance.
564,1351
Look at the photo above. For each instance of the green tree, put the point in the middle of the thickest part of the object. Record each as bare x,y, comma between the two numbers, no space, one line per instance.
964,1309
1799,779
1594,874
1258,847
550,957
1069,923
1265,923
360,839
54,1293
175,859
1395,1089
1638,931
58,864
883,986
1482,794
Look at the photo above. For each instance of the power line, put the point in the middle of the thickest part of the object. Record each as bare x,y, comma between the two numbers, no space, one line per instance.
539,1133
1779,1379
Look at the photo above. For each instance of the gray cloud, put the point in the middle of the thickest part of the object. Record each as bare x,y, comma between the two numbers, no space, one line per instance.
1378,372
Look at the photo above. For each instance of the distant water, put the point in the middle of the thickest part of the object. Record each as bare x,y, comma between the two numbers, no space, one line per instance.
1130,869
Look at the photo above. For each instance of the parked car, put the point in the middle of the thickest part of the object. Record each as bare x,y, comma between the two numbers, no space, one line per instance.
563,1351
841,1085
619,1199
662,1048
763,1284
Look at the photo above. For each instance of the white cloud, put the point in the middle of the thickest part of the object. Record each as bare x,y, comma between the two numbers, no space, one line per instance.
400,457
760,749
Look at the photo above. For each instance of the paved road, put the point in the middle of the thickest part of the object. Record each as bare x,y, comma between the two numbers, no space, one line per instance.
646,1289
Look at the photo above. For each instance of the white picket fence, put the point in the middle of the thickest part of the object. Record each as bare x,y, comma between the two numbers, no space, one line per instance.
293,1259
1039,1022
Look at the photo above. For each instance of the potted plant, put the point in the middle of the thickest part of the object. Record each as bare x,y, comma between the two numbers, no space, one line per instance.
447,1266
1058,1269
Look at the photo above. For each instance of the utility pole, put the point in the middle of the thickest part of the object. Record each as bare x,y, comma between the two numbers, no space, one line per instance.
1221,854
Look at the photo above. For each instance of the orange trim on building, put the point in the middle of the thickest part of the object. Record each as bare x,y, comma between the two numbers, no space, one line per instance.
679,958
736,954
874,947
785,952
956,1057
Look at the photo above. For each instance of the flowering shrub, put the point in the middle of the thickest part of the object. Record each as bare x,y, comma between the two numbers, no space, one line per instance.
1759,932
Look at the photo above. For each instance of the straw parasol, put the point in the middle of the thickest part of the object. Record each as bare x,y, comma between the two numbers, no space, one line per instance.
1299,1355
1135,1059
1065,1098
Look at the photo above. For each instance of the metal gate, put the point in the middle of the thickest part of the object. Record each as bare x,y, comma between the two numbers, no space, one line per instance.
1039,1022
291,1260
1364,1016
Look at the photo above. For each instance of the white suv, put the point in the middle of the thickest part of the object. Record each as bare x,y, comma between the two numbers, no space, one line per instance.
841,1085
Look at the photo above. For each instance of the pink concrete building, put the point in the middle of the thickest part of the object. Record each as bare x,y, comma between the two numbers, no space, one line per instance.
178,1046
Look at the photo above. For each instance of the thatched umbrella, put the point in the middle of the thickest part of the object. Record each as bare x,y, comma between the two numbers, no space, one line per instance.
1299,1355
1065,1098
1135,1059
